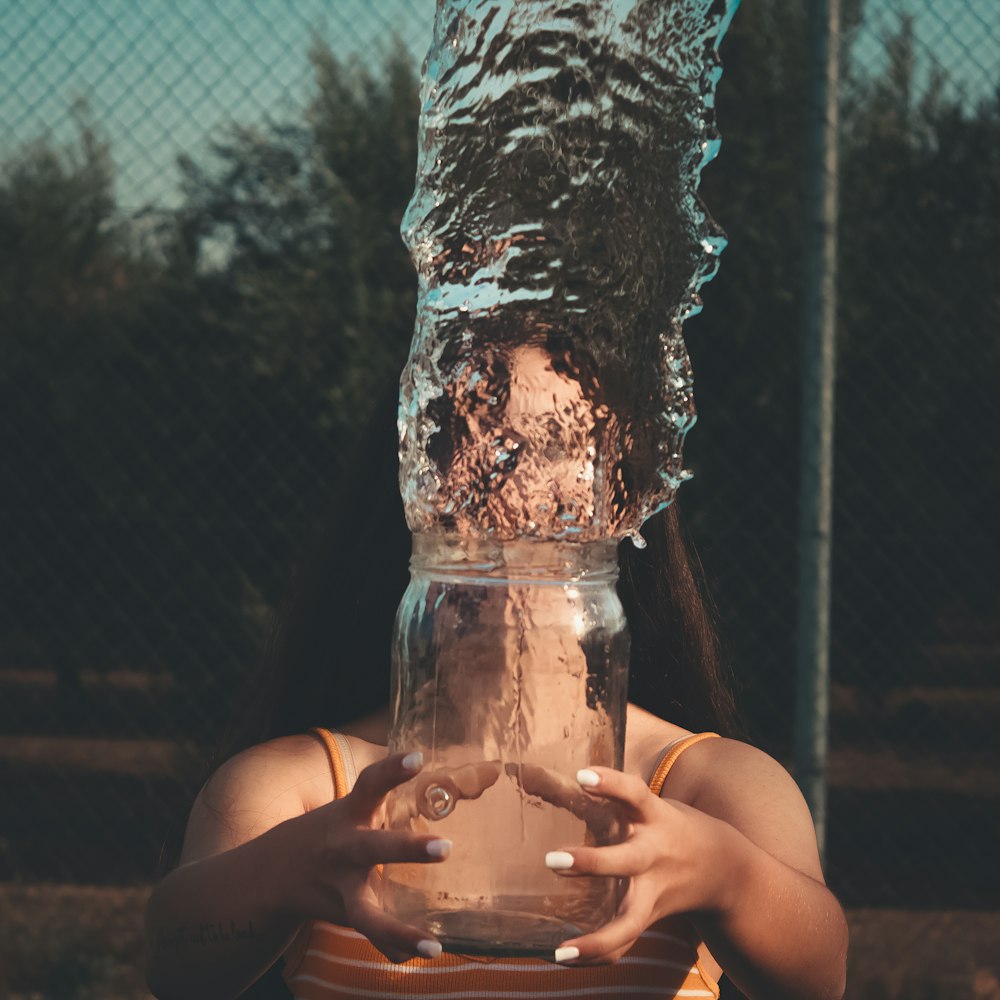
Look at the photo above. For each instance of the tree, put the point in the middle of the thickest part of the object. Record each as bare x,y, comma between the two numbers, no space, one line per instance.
919,364
59,267
303,283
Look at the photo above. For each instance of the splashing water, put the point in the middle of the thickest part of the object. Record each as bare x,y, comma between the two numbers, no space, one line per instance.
560,245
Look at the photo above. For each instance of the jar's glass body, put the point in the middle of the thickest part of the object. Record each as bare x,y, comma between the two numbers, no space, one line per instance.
510,667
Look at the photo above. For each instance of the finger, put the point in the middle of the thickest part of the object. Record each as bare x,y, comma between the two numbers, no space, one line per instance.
603,821
473,779
551,786
366,848
450,785
607,944
466,782
558,789
376,780
628,789
399,942
435,794
619,860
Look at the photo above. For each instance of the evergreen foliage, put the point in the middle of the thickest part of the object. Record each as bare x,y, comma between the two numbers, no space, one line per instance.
177,389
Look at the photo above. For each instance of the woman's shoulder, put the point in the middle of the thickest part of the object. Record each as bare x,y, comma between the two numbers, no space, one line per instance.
256,790
295,766
747,788
296,769
706,769
646,738
727,778
720,766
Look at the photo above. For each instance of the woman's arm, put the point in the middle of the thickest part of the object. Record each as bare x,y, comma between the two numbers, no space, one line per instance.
740,862
782,933
214,926
256,865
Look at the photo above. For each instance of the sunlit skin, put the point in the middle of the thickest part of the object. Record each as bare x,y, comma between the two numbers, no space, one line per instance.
729,843
536,394
545,431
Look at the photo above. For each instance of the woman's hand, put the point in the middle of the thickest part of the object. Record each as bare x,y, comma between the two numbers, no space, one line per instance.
740,863
260,859
333,851
672,856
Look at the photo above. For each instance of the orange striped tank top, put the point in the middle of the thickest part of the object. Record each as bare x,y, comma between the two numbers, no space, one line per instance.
329,961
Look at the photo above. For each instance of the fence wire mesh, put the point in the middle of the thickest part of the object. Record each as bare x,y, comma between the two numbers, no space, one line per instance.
202,292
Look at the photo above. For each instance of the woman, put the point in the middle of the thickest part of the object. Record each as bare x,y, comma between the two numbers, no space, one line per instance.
278,861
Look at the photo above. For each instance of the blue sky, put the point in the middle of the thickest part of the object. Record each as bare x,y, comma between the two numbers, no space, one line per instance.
162,75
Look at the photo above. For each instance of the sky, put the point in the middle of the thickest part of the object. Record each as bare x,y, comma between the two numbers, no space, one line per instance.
161,76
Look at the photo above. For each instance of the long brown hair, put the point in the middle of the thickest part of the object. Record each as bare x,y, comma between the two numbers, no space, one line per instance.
327,659
676,669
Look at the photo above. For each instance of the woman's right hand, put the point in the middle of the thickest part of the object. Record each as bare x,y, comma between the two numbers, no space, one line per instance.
332,853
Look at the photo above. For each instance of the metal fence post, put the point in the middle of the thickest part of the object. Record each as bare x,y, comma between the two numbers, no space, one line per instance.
818,329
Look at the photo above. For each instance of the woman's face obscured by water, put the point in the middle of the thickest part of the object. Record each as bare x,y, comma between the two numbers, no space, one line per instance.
524,460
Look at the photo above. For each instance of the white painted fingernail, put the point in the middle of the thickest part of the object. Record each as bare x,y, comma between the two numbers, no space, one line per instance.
413,761
439,848
588,778
559,860
567,954
429,949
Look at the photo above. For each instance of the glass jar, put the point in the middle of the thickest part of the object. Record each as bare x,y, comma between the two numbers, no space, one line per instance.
510,667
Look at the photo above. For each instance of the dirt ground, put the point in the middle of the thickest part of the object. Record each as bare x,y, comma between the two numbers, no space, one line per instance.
85,943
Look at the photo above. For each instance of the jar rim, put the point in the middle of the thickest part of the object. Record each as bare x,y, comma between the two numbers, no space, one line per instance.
444,554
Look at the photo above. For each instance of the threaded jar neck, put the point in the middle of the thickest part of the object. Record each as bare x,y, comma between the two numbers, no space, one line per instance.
441,555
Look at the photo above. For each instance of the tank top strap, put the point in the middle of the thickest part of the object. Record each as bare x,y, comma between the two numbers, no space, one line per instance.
669,757
345,772
342,765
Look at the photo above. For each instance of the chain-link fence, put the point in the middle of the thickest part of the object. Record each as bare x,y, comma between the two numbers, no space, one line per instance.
202,289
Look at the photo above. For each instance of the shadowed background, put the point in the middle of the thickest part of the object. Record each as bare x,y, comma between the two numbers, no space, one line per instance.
202,290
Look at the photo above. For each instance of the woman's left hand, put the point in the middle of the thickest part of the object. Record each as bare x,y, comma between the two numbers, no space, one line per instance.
673,856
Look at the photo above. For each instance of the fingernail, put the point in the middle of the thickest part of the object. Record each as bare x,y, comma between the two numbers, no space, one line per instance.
413,761
567,954
558,860
429,949
439,848
588,778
